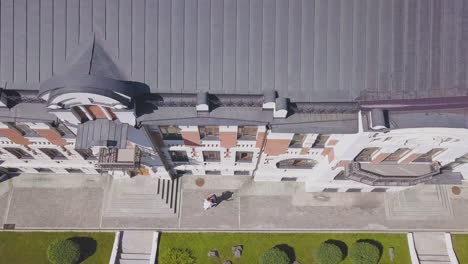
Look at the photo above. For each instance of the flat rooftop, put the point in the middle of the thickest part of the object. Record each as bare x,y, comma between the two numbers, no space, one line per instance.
313,51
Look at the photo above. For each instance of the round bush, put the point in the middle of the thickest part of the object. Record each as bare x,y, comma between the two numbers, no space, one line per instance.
329,253
63,252
274,256
177,256
364,253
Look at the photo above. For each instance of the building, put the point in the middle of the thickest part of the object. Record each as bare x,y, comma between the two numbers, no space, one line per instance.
342,95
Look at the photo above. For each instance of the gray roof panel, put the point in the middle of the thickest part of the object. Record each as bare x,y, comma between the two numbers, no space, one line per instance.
307,50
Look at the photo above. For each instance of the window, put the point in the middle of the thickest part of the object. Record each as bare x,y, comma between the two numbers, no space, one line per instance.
244,156
458,162
430,155
244,173
247,132
64,130
297,141
379,190
289,179
170,132
53,153
320,141
74,170
296,164
12,170
211,156
178,156
25,130
340,176
353,190
330,190
397,155
87,154
184,172
366,154
209,132
44,170
212,172
19,153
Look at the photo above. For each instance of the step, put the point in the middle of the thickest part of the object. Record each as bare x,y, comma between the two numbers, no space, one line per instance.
424,257
137,241
141,211
139,204
135,256
433,262
170,188
133,261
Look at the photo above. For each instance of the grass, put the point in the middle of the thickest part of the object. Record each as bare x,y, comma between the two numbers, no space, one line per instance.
302,246
31,247
460,245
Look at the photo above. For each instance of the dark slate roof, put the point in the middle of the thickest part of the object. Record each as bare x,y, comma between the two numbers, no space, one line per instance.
453,118
322,50
26,112
101,132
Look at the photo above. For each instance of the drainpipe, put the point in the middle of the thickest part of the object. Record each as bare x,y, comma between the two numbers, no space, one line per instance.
262,148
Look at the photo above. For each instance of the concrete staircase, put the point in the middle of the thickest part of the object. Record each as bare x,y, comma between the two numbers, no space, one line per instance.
143,197
431,248
419,203
169,191
135,247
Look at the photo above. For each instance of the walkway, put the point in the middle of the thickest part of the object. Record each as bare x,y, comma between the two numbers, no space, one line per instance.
135,247
431,248
97,202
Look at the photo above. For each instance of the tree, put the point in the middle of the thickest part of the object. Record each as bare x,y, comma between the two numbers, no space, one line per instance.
63,252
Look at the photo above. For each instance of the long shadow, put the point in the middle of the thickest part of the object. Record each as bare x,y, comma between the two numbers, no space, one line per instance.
375,243
288,250
87,246
225,196
342,245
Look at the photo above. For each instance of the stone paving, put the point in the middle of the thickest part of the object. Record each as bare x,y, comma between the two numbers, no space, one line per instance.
78,201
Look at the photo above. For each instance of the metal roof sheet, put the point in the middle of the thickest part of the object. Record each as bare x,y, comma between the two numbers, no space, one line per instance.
309,50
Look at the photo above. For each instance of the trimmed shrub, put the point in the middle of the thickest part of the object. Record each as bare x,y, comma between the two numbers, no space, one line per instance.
177,256
63,252
274,256
364,252
329,253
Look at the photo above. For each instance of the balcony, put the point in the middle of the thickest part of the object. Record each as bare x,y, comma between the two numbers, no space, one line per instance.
119,159
394,174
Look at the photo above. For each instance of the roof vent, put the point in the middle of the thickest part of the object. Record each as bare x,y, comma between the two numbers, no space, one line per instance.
202,102
377,119
281,108
269,98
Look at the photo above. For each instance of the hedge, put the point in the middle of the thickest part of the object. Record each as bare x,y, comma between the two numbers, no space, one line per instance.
63,252
274,256
329,253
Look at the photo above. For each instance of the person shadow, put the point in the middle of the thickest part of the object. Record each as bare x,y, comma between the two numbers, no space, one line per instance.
225,196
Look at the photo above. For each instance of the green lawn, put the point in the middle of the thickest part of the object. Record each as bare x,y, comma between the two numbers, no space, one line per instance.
255,244
31,247
460,245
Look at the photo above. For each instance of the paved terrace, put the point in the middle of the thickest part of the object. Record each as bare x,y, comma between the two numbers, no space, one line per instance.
81,201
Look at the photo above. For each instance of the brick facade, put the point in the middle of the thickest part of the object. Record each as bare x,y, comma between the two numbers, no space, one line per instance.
228,139
191,138
276,147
